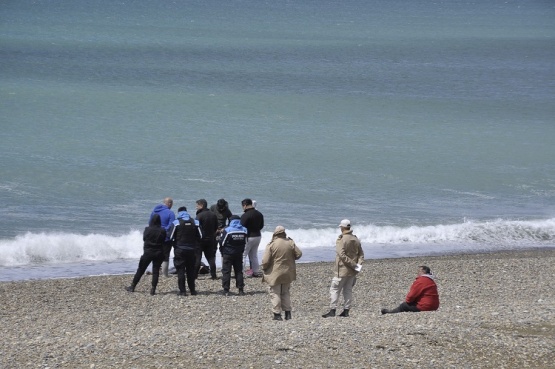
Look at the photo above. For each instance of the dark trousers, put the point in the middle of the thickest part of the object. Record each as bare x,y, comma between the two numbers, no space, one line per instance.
405,307
167,248
149,257
235,261
184,262
208,247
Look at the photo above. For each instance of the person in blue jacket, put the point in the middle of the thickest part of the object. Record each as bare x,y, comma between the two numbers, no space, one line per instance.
232,245
166,217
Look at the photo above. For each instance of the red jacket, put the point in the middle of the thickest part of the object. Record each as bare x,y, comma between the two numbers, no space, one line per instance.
423,292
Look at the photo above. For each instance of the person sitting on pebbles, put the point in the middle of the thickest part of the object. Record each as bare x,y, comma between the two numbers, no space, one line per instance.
422,296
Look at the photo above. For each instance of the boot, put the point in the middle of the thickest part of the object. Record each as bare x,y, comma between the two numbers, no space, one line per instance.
385,311
131,288
287,315
345,313
330,314
165,265
277,316
241,292
153,291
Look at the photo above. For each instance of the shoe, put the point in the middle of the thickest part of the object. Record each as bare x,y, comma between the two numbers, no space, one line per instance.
182,293
257,275
345,313
194,293
249,272
330,314
384,311
130,288
225,292
153,291
214,278
241,292
287,315
277,316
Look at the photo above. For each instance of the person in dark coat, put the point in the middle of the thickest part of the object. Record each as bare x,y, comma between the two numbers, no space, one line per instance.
232,245
154,237
208,223
185,236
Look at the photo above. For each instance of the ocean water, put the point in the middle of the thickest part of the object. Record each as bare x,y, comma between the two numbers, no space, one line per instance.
430,125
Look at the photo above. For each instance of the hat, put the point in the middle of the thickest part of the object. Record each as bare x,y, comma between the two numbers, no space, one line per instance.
345,223
279,229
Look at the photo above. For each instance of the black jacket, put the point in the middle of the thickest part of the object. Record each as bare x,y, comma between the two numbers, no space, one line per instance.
234,239
154,235
208,223
253,220
185,235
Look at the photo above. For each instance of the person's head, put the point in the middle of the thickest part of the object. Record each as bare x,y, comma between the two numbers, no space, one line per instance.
202,204
168,201
234,217
246,203
279,232
422,269
345,224
182,208
221,204
155,221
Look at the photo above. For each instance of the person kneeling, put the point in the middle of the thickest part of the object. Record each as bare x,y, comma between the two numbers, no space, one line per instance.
422,296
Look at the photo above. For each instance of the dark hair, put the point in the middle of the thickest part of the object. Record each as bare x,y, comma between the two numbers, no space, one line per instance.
246,202
233,217
425,269
182,208
203,203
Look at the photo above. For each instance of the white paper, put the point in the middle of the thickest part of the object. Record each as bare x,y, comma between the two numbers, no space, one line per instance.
358,267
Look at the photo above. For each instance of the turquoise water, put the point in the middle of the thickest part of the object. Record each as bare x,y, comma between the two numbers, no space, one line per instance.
429,125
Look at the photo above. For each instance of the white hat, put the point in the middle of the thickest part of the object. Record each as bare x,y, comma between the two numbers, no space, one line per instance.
345,223
279,229
254,204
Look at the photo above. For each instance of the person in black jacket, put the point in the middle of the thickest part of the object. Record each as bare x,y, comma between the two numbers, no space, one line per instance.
185,236
232,245
153,237
221,209
208,222
253,220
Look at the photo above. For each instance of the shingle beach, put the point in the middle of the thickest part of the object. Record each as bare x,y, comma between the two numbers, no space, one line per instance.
497,311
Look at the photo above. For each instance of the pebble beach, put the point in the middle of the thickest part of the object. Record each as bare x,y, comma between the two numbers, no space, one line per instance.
497,311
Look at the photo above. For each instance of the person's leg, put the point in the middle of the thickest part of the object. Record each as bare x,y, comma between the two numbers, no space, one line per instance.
143,264
275,298
179,264
156,263
209,248
198,258
348,283
167,248
237,261
226,272
253,255
285,297
335,289
403,307
248,246
190,263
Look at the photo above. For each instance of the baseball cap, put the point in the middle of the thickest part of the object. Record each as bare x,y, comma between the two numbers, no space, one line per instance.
345,223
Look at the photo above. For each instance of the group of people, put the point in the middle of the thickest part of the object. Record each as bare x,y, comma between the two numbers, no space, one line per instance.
239,237
190,237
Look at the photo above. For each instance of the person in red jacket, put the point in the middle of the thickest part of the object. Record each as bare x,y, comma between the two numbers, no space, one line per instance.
422,295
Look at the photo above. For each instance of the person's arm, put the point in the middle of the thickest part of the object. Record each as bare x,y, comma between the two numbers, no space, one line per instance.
415,292
296,250
266,258
340,249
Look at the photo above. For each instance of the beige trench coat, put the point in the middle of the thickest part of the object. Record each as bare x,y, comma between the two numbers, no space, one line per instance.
278,262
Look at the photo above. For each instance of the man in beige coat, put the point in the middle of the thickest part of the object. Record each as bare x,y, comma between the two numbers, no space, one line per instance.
278,265
348,262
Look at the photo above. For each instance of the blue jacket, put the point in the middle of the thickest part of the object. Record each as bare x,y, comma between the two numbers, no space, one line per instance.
166,217
233,239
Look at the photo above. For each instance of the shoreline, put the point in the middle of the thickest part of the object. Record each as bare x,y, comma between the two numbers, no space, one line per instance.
497,310
41,272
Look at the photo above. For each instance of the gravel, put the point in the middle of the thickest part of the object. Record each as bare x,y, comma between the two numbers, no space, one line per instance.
497,311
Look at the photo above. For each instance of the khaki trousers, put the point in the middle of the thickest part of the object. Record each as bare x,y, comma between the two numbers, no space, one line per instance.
280,297
342,285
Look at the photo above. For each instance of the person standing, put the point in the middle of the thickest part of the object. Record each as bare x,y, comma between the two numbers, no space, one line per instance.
185,236
221,209
348,262
422,296
232,245
208,223
278,264
253,220
166,217
153,237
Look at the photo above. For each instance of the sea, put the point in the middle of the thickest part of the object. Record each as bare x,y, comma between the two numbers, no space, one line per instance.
429,124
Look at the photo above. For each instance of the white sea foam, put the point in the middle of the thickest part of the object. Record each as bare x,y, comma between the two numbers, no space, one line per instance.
38,248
